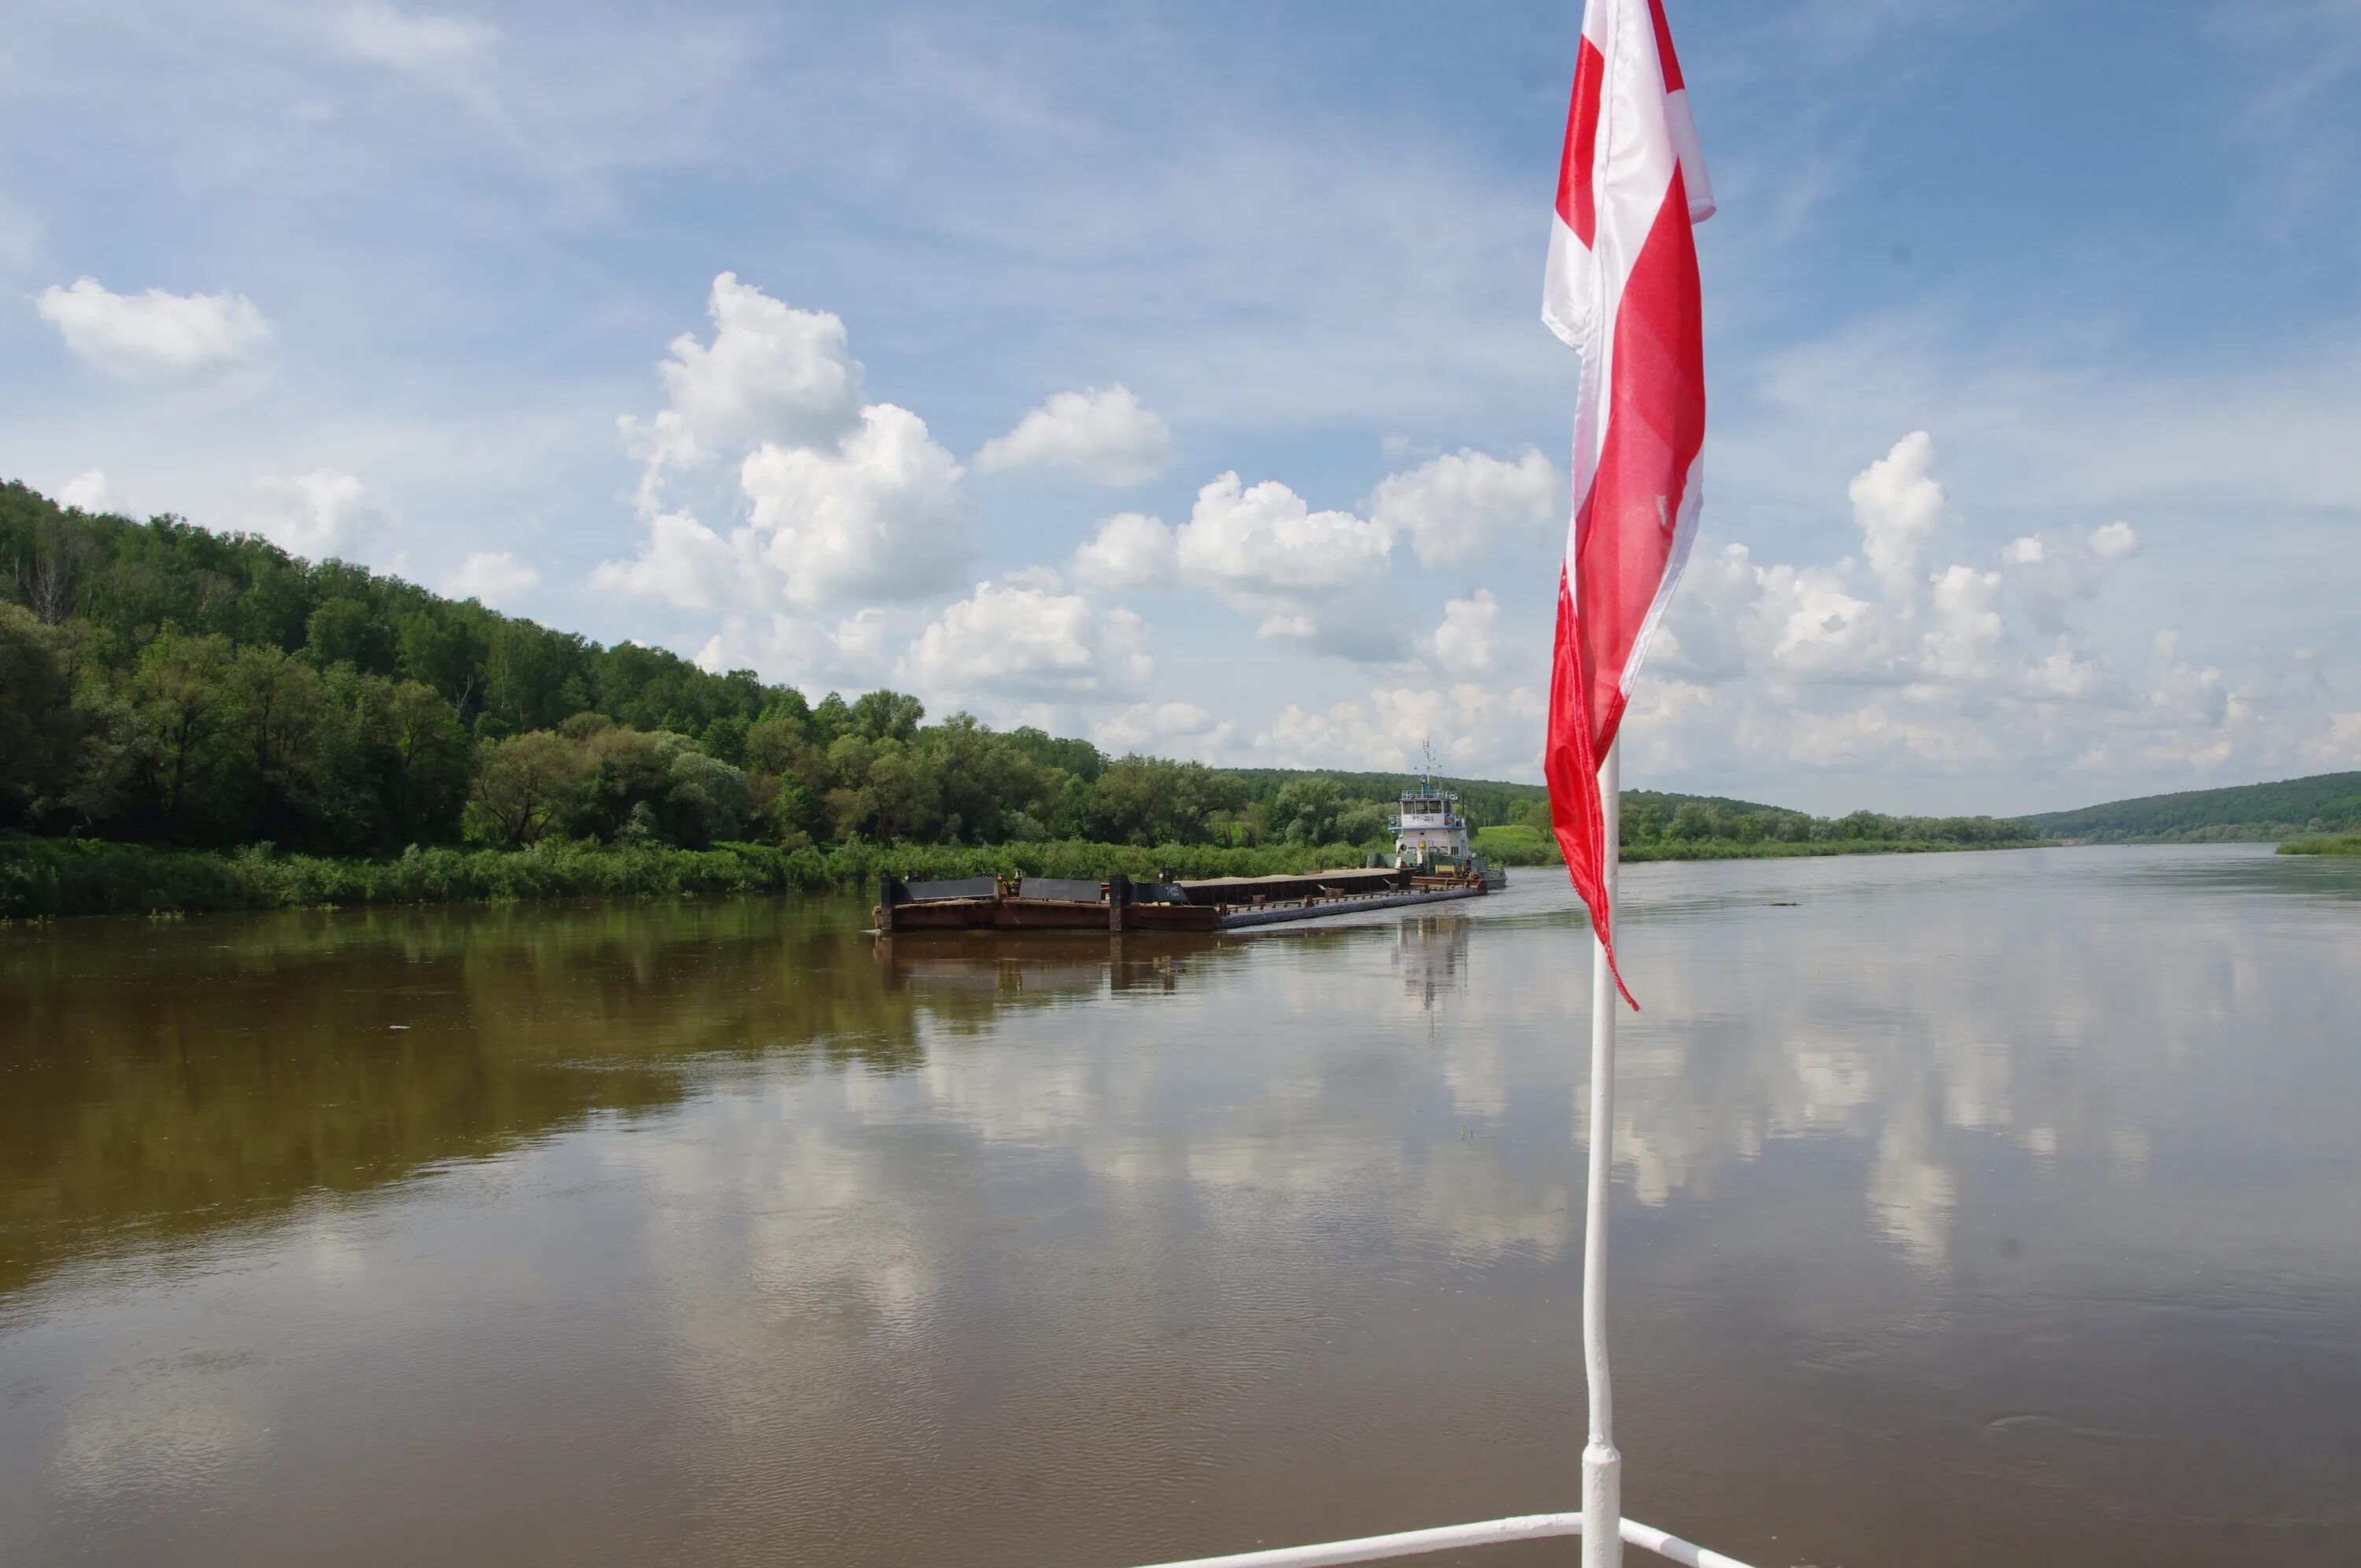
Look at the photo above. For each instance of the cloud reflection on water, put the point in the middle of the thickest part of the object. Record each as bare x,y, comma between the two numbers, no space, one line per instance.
942,1211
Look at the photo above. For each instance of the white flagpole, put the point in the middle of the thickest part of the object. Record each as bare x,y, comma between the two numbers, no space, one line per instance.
1602,1466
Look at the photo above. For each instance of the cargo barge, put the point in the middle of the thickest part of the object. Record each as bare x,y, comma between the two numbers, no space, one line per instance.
1432,863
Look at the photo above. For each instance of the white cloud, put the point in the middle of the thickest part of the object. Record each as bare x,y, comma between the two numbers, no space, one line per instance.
325,513
1950,668
1812,626
1105,434
1469,636
844,503
1266,542
1457,507
417,42
1004,641
86,490
1130,550
1305,576
1964,637
2065,674
686,564
1475,730
881,517
493,576
772,374
1164,729
154,335
1899,508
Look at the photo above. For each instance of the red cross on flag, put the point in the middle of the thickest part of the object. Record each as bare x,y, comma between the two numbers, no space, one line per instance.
1622,290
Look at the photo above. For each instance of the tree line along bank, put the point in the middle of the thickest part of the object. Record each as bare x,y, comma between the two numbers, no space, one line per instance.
166,685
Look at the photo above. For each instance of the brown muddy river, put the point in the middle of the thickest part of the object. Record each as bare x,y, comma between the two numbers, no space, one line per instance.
1999,1208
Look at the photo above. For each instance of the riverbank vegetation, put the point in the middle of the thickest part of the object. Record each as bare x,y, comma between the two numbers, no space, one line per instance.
1671,827
2324,844
42,877
201,721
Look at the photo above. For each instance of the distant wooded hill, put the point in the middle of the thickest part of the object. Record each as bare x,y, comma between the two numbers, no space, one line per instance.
2326,803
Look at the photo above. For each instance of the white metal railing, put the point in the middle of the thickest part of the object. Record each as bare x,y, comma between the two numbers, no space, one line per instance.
1411,1542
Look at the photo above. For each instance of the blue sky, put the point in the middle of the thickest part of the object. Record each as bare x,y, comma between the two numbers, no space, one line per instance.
829,342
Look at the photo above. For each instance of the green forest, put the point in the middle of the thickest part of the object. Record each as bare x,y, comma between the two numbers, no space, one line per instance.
198,719
2322,804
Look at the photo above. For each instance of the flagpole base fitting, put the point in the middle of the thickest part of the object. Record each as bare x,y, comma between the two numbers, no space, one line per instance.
1602,1507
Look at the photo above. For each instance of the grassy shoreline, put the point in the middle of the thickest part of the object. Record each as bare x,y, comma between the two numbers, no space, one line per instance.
56,876
2324,844
49,876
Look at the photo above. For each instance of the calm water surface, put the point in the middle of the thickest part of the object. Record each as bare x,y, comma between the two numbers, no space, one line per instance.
1969,1209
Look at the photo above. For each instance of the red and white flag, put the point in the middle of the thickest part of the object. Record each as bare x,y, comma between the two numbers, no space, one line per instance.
1621,290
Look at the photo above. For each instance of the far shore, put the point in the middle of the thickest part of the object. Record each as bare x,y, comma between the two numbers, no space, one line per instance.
44,877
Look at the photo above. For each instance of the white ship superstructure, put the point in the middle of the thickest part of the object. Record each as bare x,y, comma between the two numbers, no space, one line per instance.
1430,835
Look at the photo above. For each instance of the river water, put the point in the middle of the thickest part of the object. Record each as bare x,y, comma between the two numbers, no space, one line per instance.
1984,1209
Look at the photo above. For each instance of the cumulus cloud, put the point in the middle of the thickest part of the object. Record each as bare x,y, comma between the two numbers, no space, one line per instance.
1265,542
1130,550
688,565
1813,626
1908,659
1307,576
1900,509
325,513
1469,636
882,515
1164,729
1010,641
1105,434
842,502
490,576
86,490
1457,507
772,374
1964,636
154,335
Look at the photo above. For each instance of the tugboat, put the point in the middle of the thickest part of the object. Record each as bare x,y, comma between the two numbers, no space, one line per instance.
1431,837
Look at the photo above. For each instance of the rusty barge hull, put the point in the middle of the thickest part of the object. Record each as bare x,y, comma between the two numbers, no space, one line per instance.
1041,914
1120,904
